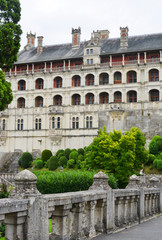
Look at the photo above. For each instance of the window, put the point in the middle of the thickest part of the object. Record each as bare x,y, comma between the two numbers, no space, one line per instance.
39,83
90,98
58,82
89,122
39,102
104,79
3,124
154,59
104,98
132,60
87,51
76,81
21,85
131,77
76,99
20,124
117,78
75,122
90,80
58,122
87,61
91,61
91,51
153,75
57,100
154,95
132,96
38,124
21,103
117,97
53,122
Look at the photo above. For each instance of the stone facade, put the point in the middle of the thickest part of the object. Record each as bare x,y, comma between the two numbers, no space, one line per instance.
63,94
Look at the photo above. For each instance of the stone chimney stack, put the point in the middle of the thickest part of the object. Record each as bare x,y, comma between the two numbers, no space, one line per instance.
124,37
40,44
30,40
76,37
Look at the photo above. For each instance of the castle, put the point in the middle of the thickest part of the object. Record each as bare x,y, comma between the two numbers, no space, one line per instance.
64,93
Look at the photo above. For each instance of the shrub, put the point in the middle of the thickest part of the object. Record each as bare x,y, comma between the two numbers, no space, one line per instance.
81,158
59,151
74,149
39,164
159,164
63,161
3,191
71,163
2,229
74,155
113,183
153,147
46,154
159,145
60,155
26,160
151,159
67,152
159,156
53,163
155,163
81,151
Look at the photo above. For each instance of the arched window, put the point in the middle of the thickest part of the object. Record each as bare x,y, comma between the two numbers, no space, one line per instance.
21,85
58,122
104,98
89,122
58,82
104,79
39,101
76,81
131,77
38,123
132,96
154,95
76,99
153,75
117,78
75,122
20,123
21,103
39,83
53,122
57,100
117,97
90,80
90,98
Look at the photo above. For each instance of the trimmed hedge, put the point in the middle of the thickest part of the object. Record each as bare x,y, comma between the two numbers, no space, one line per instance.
159,164
67,181
53,163
46,154
26,160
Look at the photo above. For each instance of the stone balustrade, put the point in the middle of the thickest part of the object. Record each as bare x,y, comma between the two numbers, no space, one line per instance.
76,215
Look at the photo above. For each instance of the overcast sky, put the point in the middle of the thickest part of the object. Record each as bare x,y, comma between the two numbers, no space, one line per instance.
54,19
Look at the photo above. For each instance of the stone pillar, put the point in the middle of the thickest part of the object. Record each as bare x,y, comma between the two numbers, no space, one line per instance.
27,68
126,210
160,56
145,57
100,217
147,205
50,66
138,61
110,215
64,65
123,60
154,182
120,220
60,223
45,67
15,70
33,68
92,231
69,65
142,206
110,60
132,209
15,223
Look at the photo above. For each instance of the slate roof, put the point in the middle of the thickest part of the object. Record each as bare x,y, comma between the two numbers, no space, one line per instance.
108,46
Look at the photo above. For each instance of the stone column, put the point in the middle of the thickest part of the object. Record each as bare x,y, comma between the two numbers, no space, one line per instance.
50,66
132,209
33,68
15,70
15,223
147,205
110,215
126,210
69,65
123,60
60,222
92,231
27,68
138,58
64,65
160,56
145,57
100,217
45,67
110,60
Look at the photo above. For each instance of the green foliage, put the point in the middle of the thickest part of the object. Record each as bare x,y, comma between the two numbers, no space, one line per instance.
120,154
113,183
26,160
156,138
39,164
81,151
159,164
81,158
155,163
3,191
45,155
2,229
63,161
71,163
150,159
67,152
159,145
5,91
53,163
153,147
67,181
60,151
73,155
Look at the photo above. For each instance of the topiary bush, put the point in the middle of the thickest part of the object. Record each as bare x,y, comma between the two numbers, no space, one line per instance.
39,164
159,164
63,161
159,145
71,163
153,147
26,160
67,152
155,163
53,163
60,151
81,151
113,183
151,159
45,155
74,155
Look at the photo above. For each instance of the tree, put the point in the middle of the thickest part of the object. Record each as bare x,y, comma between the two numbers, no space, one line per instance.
10,33
119,154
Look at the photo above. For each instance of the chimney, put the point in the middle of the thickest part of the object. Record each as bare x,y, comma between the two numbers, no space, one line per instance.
30,40
76,37
40,44
124,37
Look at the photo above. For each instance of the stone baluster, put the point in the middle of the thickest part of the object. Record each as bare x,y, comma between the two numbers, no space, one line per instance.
147,205
132,209
15,223
157,203
135,208
126,210
92,231
153,204
60,222
150,205
160,200
100,217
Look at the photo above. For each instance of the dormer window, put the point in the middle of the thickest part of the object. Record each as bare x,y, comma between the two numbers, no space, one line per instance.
87,51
